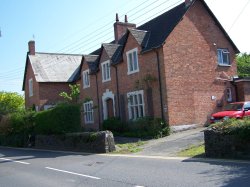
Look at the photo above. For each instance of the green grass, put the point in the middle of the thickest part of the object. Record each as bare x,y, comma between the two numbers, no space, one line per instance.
193,151
127,148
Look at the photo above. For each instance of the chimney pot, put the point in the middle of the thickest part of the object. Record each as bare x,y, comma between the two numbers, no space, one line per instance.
126,19
116,17
32,49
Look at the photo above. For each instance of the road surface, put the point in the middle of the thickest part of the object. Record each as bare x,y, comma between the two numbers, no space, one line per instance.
22,168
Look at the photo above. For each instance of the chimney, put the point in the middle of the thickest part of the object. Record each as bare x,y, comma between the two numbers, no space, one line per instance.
188,2
120,28
32,49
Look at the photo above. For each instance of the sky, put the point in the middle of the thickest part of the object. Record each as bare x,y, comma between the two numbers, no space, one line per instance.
79,27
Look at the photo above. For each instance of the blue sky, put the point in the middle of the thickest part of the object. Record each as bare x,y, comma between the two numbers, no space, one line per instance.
79,27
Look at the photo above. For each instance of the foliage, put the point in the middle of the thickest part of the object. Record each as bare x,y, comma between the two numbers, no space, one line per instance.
10,102
243,65
113,124
240,128
73,96
64,118
146,127
16,128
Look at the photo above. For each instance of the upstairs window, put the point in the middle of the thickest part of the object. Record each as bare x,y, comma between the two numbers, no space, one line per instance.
132,61
30,87
85,79
223,57
106,71
135,104
88,112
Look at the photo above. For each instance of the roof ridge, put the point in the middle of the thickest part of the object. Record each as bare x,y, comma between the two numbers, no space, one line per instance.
59,54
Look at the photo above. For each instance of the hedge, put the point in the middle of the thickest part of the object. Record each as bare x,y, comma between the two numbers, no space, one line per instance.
64,118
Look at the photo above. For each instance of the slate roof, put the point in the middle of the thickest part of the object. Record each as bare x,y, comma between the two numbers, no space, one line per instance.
51,67
92,62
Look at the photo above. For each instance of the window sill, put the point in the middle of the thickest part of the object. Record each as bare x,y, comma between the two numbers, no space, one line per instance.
106,80
89,123
86,87
224,65
132,72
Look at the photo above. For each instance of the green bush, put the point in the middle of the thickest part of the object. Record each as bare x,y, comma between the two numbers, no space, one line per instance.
113,124
237,127
64,118
146,127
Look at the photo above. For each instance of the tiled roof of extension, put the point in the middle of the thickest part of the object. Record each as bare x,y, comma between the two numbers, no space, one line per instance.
50,67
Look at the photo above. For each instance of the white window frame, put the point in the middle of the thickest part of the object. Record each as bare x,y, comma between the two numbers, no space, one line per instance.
136,108
133,66
85,79
106,76
229,95
88,112
221,52
31,87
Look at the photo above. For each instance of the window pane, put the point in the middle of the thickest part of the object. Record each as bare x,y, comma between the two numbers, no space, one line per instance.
141,111
225,58
135,60
219,56
132,113
140,98
136,112
130,62
136,100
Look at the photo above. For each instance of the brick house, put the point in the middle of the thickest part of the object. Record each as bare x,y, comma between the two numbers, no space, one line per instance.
178,66
46,75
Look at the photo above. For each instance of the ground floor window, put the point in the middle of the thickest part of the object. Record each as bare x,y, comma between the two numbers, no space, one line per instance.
135,104
88,112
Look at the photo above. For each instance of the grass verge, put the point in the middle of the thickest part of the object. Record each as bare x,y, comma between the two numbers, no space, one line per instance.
127,148
193,151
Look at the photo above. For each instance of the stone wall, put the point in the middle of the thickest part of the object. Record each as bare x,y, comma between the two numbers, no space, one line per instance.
92,142
225,146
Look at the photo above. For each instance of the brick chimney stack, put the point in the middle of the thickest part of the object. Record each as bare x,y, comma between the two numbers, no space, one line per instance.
32,49
120,28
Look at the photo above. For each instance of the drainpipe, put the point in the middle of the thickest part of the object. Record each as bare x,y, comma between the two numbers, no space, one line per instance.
117,91
160,83
98,101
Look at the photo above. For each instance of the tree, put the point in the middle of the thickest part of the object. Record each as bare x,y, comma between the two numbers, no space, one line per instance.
73,96
243,65
10,102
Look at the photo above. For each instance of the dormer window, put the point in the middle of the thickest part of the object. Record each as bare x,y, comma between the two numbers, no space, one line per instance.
223,57
106,71
132,61
85,79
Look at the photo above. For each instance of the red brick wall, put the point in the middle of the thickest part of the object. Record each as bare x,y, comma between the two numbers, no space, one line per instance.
49,93
89,93
33,100
243,90
191,68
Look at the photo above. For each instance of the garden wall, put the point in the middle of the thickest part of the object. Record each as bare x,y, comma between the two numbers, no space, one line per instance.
92,142
219,145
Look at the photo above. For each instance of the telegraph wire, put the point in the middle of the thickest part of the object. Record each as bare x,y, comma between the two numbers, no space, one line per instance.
236,19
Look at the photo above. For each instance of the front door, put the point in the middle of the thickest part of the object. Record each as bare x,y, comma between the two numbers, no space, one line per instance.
110,108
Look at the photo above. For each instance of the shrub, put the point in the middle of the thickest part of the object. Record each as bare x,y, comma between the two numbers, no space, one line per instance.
64,118
113,124
240,128
146,127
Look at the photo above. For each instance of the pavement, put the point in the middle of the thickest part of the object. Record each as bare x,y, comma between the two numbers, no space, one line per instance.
170,145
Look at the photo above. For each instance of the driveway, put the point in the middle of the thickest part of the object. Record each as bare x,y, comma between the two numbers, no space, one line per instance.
171,145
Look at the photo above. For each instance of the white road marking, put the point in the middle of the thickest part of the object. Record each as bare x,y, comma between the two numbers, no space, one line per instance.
73,173
14,161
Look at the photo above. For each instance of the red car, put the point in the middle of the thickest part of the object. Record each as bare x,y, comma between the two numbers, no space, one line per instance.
233,110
